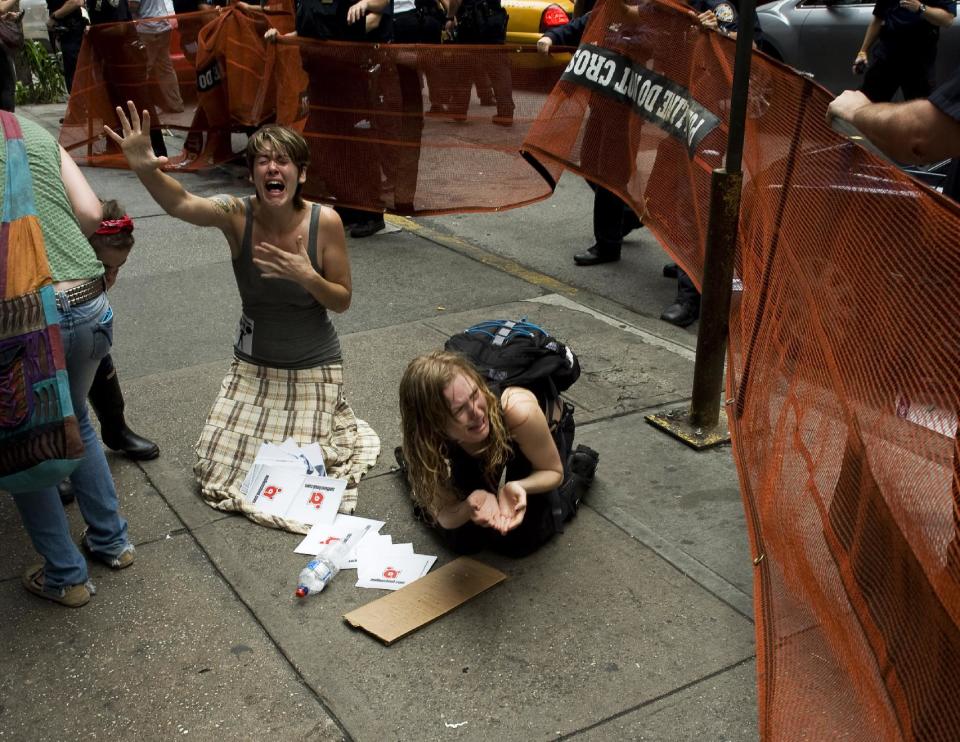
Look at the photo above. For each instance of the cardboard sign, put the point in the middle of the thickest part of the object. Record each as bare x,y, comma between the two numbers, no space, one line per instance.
424,601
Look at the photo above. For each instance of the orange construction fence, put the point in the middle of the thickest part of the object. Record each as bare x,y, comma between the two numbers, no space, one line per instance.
844,338
398,127
842,375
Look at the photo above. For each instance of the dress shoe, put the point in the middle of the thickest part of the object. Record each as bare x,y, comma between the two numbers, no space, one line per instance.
670,270
133,446
596,255
681,314
368,228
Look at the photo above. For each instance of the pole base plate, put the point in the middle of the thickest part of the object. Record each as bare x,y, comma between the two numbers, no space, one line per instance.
676,422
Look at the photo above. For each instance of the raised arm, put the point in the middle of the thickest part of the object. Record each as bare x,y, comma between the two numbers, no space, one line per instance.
84,202
173,198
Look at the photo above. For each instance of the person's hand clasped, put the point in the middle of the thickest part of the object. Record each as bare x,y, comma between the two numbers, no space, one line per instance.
708,20
134,140
276,262
543,44
271,35
512,501
845,105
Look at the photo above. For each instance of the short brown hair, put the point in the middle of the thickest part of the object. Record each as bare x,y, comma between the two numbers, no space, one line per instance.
276,138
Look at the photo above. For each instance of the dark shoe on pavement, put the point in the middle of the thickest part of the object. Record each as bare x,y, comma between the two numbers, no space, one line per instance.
681,314
366,229
121,438
106,397
583,463
65,490
670,270
596,255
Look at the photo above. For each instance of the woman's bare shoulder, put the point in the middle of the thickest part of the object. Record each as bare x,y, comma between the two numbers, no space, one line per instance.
518,405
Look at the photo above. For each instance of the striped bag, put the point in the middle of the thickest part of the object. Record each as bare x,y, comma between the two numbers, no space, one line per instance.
39,436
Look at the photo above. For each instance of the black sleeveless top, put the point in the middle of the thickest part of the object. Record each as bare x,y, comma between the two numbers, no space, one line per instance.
282,325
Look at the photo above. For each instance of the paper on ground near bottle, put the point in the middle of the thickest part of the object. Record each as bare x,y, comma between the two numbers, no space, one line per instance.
285,491
343,525
393,571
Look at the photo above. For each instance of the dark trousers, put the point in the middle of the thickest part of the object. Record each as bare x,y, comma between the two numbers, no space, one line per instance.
8,81
609,216
70,43
893,70
686,292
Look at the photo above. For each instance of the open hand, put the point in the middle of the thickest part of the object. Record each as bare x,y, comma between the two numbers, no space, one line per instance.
484,510
277,262
135,140
512,501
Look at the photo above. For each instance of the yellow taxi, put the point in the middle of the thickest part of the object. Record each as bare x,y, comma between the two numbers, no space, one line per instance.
530,18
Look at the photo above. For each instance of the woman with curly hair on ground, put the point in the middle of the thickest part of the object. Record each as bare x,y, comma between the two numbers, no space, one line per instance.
487,469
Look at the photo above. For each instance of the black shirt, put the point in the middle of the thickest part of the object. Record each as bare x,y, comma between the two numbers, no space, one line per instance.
908,26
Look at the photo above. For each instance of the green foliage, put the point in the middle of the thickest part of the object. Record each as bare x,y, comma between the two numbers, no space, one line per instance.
45,72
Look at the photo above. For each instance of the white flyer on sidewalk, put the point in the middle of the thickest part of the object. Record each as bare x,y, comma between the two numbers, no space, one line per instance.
393,571
324,534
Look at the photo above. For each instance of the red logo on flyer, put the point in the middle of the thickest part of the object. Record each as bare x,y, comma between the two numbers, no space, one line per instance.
271,492
316,499
330,540
390,573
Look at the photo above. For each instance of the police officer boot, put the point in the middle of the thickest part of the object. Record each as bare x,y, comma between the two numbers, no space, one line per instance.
107,401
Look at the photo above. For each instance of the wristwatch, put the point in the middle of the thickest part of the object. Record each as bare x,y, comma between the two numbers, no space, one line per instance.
922,9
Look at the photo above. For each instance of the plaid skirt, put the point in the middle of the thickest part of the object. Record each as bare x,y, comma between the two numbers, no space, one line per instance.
258,404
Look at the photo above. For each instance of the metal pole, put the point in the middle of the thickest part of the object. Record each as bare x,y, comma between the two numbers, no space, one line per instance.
721,241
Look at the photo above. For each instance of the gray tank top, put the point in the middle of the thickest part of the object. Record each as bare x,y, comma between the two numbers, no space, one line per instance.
282,325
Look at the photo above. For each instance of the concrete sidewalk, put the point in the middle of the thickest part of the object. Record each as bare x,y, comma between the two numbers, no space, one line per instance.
636,623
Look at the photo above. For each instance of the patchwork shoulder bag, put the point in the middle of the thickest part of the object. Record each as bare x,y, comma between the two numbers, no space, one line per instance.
39,435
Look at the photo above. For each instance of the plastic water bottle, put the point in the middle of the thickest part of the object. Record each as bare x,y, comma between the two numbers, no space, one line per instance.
323,568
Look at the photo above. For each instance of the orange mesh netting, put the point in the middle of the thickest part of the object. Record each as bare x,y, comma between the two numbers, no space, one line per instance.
396,127
842,365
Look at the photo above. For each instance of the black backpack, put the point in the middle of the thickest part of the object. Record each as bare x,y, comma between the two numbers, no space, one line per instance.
508,353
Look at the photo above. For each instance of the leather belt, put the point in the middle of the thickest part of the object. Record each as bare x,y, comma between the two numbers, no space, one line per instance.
81,294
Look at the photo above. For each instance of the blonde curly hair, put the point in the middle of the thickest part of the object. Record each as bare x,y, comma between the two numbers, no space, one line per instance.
425,414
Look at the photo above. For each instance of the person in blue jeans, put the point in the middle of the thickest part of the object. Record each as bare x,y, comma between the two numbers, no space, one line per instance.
68,212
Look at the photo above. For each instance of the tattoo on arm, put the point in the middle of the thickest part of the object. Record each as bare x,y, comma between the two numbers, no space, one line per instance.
227,205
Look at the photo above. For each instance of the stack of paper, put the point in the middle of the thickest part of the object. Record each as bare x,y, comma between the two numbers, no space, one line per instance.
290,481
379,562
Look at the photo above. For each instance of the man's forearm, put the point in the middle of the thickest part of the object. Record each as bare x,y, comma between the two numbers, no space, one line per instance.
915,132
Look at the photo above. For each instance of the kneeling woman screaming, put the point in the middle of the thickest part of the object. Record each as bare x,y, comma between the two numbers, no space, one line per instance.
487,469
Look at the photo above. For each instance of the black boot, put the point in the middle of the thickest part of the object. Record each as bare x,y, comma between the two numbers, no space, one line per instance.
107,401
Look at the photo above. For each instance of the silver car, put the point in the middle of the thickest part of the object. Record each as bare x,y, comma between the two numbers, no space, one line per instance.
822,37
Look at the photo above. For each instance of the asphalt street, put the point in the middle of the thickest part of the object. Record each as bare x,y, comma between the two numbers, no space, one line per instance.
636,623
